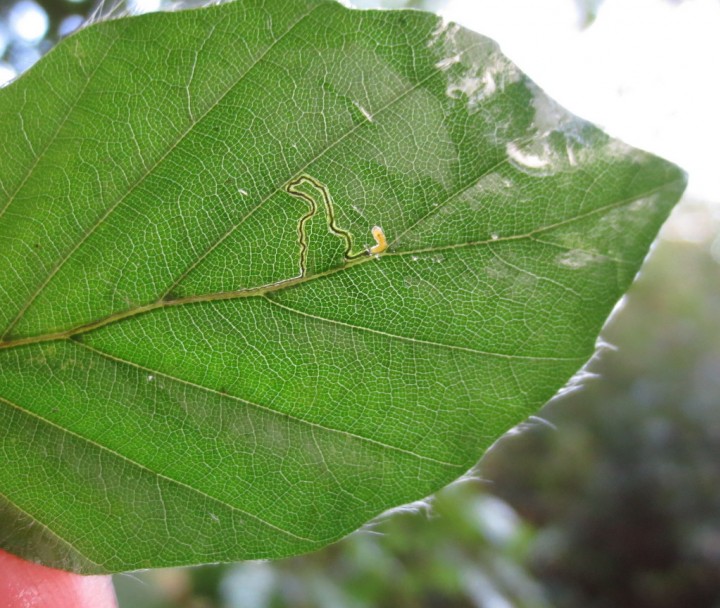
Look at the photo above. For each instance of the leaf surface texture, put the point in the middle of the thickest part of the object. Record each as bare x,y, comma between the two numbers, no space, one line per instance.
199,363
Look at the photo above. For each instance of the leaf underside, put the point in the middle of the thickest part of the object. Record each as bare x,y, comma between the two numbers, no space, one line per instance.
200,362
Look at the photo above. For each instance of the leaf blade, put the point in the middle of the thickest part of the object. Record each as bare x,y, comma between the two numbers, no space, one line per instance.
178,385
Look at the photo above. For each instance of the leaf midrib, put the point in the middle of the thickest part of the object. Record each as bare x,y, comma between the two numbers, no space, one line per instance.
296,281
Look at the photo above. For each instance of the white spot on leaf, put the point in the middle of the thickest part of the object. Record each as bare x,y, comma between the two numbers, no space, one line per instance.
576,259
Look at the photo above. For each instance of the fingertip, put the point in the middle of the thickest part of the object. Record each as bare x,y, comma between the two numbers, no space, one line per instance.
27,585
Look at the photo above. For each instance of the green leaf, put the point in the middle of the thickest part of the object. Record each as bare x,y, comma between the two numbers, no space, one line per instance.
200,361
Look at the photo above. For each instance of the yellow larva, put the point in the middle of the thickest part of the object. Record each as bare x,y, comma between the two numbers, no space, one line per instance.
378,233
381,243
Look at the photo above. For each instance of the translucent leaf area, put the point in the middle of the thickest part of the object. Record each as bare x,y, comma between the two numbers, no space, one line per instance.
270,268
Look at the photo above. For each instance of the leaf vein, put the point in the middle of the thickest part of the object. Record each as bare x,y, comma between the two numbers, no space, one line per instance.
298,171
54,136
532,233
156,474
44,526
419,340
143,176
266,408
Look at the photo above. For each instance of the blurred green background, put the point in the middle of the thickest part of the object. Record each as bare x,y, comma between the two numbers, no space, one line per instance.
610,497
